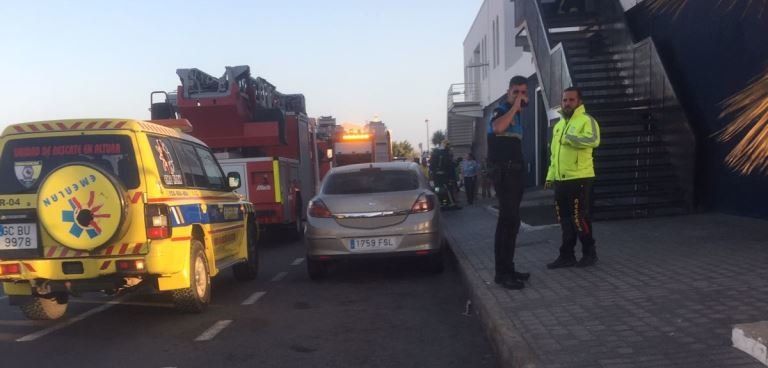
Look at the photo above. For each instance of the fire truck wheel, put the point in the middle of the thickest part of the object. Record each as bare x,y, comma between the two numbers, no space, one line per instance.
249,269
299,228
41,308
316,269
196,297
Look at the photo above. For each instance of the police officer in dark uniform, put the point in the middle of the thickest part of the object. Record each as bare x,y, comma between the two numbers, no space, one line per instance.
505,158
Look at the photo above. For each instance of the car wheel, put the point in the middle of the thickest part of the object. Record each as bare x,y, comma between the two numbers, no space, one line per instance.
299,228
249,269
295,230
196,297
435,262
44,308
316,269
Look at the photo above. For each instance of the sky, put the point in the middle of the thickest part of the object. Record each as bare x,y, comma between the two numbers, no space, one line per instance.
351,59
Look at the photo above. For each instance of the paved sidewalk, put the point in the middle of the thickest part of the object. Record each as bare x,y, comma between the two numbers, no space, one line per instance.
666,292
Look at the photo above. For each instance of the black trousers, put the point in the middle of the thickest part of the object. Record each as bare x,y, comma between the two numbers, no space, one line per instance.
508,182
470,187
573,204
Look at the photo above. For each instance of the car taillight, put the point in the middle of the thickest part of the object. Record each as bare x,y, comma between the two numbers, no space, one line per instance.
10,269
425,203
156,217
130,265
318,209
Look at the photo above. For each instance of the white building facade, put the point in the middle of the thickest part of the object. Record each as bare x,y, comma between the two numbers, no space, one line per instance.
491,58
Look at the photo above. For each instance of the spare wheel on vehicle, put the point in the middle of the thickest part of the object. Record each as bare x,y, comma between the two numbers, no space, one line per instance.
81,206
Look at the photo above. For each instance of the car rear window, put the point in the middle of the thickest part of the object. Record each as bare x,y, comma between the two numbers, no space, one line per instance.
371,181
25,162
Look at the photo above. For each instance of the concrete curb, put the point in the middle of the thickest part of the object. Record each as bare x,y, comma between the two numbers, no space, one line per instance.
510,347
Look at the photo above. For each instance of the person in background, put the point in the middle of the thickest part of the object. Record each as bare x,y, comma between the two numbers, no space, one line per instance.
425,169
458,178
485,180
469,169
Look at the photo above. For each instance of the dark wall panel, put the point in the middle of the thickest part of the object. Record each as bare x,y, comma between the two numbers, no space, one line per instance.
711,53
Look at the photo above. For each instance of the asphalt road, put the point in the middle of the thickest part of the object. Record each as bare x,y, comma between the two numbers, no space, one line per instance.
382,313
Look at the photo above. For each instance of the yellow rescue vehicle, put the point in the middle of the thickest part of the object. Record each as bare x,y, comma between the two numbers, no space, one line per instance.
114,205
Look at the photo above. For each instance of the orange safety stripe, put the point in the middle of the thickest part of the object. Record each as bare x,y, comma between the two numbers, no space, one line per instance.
136,197
50,126
28,267
59,251
105,265
169,199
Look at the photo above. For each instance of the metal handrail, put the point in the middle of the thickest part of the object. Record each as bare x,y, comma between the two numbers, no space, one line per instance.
551,65
463,92
651,86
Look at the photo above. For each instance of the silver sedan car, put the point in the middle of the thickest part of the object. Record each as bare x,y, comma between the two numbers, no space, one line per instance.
373,210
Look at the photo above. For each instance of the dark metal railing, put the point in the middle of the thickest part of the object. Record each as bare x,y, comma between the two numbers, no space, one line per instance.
551,64
463,92
651,85
639,67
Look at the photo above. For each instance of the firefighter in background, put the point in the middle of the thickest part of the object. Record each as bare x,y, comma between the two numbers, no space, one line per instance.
443,174
457,167
422,167
296,192
572,173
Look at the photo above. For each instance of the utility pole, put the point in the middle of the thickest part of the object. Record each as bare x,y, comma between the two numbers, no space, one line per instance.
427,122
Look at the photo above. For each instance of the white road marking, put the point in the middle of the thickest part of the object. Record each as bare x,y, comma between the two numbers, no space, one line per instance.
253,298
279,276
59,326
141,304
297,261
210,333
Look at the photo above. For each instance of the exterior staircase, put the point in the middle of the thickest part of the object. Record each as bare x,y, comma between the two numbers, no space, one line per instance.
644,165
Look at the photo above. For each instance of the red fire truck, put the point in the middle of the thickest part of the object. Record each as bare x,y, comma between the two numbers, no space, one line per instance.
255,130
371,143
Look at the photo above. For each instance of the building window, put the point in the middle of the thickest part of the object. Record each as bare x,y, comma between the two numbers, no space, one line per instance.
496,42
484,50
493,38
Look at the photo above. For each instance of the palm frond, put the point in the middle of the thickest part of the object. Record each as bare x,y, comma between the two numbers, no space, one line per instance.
750,110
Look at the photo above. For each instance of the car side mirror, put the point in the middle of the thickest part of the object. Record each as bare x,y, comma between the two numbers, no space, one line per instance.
233,178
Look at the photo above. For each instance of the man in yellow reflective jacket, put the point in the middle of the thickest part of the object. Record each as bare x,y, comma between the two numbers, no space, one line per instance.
572,171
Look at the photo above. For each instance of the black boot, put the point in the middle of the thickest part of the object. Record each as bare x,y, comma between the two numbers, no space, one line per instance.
523,276
509,282
562,262
587,261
